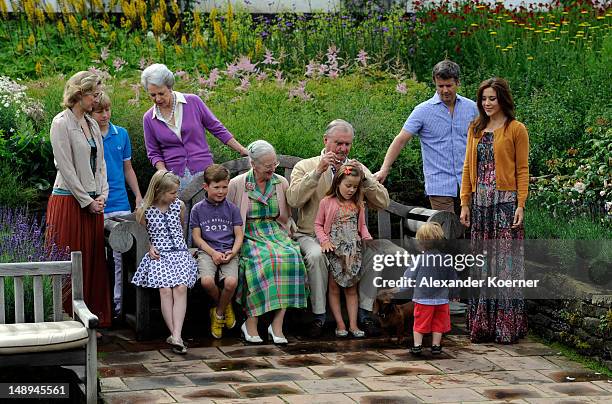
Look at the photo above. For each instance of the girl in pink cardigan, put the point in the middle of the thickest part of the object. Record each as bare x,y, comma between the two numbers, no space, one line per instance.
340,228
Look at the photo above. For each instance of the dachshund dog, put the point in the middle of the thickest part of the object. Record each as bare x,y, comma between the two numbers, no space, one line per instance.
393,317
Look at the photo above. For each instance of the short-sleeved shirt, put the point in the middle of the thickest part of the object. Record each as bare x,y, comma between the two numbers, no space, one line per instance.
117,149
216,222
443,141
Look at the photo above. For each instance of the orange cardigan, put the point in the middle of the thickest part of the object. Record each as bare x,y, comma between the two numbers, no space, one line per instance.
511,153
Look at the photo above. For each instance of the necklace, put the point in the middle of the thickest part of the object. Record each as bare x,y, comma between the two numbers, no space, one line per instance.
171,112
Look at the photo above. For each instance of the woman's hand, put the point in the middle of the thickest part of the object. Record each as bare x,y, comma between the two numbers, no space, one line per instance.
96,207
327,246
518,218
464,218
154,253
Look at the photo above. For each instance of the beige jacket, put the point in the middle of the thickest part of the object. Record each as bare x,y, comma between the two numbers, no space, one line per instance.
239,196
71,154
307,188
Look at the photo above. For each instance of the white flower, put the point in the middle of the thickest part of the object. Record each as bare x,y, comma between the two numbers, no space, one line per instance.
6,105
602,193
579,187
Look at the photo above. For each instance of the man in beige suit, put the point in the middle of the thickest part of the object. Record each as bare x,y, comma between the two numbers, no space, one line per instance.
310,180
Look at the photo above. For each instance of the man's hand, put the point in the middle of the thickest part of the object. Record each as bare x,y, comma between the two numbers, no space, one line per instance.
327,247
154,253
327,159
382,174
227,257
218,258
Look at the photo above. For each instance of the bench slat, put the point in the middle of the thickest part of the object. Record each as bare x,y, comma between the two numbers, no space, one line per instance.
39,312
384,224
57,297
35,268
2,318
18,287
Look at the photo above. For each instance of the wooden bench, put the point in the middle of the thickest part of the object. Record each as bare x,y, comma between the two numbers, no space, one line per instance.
59,342
397,223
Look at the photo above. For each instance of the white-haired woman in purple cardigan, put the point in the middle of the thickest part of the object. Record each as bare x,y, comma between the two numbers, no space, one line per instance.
175,127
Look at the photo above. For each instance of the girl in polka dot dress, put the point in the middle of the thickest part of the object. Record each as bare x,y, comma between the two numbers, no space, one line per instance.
168,265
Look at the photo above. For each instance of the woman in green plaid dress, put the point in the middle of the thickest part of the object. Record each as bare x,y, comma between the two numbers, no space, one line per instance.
272,271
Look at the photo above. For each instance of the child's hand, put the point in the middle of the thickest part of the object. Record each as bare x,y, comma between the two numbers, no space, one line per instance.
218,258
154,253
327,247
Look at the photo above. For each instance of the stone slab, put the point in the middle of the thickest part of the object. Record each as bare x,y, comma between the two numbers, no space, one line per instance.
340,385
296,361
334,398
207,379
455,380
381,383
166,368
251,351
156,382
146,396
112,384
399,368
529,349
262,400
604,384
275,375
513,377
239,364
573,375
207,353
123,370
200,393
405,355
395,397
123,358
509,392
522,362
465,365
573,389
256,390
447,395
342,370
354,358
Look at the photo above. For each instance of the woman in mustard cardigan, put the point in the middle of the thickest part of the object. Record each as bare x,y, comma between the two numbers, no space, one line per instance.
493,192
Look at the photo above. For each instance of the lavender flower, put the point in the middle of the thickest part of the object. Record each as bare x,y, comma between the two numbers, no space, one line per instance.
212,79
182,74
300,92
142,64
244,64
104,53
232,70
401,88
244,85
362,57
269,58
278,75
118,64
263,76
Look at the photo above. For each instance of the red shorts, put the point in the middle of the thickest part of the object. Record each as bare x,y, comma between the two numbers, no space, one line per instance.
428,318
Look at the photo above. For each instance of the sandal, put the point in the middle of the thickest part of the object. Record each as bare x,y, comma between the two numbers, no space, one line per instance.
341,333
178,346
357,333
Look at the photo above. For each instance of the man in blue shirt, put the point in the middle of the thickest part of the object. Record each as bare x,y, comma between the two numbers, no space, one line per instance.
117,155
441,123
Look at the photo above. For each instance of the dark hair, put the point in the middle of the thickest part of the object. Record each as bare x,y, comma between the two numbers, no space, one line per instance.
504,99
446,69
216,173
350,168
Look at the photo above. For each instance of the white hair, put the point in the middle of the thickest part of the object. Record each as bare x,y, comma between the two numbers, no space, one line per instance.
339,125
157,74
258,149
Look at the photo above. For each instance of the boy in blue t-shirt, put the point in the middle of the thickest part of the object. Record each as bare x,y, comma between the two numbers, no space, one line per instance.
216,227
117,155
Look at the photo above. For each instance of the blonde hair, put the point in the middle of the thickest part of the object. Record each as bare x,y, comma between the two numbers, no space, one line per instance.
103,102
80,84
429,235
162,181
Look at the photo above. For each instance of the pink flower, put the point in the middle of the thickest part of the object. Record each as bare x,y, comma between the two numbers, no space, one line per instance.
244,85
244,64
104,53
401,88
250,186
263,76
362,57
279,78
300,92
182,74
142,63
232,70
118,64
311,69
269,58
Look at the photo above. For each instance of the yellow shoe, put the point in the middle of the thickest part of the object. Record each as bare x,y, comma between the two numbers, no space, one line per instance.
230,318
216,324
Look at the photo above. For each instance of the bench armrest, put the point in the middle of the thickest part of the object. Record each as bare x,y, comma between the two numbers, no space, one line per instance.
85,316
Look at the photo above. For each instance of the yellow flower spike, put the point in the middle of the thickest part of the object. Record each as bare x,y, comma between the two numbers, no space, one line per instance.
175,8
93,32
38,68
19,47
234,38
529,57
176,27
178,50
167,27
3,9
493,33
143,23
160,47
183,40
505,50
137,41
105,25
258,46
213,15
84,24
509,46
31,40
537,31
498,46
60,27
113,36
197,20
73,23
40,17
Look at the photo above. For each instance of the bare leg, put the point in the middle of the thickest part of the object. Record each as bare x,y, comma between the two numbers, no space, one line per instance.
352,305
178,310
418,338
251,326
229,287
166,301
208,283
436,338
277,323
333,295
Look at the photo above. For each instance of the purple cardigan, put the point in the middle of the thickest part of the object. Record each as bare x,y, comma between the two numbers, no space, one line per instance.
163,145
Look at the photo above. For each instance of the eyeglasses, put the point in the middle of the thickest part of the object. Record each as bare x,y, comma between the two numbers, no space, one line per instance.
270,166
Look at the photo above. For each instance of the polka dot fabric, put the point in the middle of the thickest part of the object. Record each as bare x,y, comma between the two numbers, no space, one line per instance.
175,266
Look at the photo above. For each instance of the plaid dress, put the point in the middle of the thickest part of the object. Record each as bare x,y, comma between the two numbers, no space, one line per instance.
272,272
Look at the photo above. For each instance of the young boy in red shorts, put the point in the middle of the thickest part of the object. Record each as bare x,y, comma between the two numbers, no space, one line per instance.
431,304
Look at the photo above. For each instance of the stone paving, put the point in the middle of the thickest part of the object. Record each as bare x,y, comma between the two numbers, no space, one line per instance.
341,371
